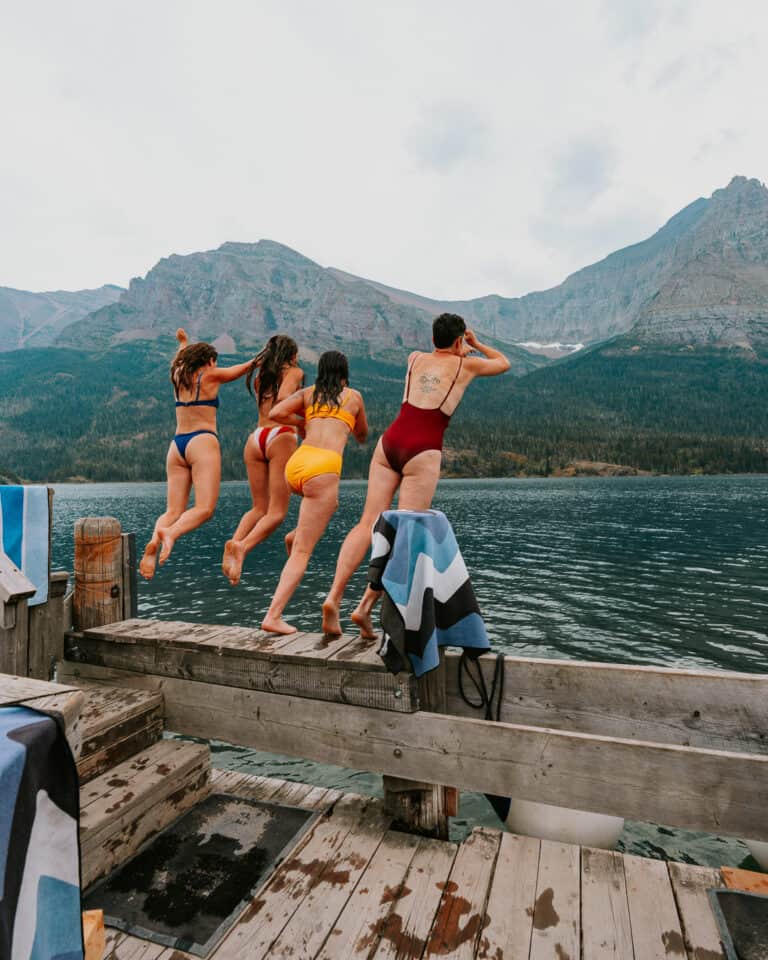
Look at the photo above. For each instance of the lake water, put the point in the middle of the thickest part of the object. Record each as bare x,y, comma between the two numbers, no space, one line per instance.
660,570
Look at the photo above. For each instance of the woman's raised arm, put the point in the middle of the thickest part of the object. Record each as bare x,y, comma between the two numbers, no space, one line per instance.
228,374
290,411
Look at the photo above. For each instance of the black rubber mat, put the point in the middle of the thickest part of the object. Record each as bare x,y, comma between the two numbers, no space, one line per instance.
743,921
188,885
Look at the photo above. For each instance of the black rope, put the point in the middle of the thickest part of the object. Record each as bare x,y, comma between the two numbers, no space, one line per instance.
499,804
486,701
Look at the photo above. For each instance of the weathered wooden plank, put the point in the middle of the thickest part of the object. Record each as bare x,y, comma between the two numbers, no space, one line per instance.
46,629
360,654
461,916
511,900
124,807
68,708
116,724
606,931
404,933
14,638
357,928
14,689
14,585
317,646
700,931
556,915
273,906
219,662
129,582
701,708
687,787
656,933
108,707
306,931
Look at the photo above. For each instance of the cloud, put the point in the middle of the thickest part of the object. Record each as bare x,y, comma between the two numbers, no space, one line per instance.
583,171
447,136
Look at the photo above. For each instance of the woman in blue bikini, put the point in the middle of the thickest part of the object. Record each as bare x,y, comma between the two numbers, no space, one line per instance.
194,456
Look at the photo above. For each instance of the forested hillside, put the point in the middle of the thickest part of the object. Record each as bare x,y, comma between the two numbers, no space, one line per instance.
70,414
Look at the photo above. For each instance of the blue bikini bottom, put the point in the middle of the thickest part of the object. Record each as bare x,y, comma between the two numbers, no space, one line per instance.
182,440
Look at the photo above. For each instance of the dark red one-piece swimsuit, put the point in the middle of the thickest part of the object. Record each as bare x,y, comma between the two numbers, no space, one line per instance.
415,429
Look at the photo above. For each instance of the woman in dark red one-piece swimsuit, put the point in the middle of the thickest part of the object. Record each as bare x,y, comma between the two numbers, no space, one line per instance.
409,453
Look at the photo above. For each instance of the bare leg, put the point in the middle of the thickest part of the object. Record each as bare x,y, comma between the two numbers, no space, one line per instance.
382,484
204,459
288,540
179,485
257,469
420,479
321,498
279,497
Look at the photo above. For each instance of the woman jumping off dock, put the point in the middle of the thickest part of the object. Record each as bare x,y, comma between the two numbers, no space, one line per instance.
328,411
266,452
194,456
409,453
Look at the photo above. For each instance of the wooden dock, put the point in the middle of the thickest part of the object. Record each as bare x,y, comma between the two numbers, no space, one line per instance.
685,748
353,887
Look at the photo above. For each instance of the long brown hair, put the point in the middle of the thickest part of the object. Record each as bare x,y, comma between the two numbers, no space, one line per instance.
188,361
269,366
332,378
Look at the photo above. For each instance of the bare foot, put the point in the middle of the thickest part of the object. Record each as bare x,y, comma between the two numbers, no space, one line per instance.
149,560
289,538
363,620
232,563
277,625
167,544
331,623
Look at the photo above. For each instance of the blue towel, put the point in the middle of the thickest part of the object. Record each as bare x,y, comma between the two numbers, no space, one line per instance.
39,853
24,534
429,601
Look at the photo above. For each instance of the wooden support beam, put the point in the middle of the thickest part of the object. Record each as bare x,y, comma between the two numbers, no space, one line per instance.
303,665
415,806
697,789
699,708
46,628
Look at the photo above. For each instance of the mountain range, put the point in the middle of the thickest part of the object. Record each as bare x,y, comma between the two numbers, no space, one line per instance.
675,330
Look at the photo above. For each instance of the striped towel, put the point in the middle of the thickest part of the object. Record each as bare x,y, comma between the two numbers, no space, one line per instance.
39,853
24,534
429,601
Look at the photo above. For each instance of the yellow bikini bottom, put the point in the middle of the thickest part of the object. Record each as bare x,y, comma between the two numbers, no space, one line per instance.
308,462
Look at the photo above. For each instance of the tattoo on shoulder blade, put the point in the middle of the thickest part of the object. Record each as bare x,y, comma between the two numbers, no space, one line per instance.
428,384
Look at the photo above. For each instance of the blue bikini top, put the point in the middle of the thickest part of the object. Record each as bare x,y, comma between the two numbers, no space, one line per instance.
197,402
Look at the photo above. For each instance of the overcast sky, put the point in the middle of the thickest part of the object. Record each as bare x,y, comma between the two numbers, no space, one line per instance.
450,148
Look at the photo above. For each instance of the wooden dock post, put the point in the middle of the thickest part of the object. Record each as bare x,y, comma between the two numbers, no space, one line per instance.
47,627
99,572
419,807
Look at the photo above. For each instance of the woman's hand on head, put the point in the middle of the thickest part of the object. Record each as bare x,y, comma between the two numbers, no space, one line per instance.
471,339
181,336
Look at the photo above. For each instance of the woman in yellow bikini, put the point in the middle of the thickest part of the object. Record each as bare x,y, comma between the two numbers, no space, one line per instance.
328,412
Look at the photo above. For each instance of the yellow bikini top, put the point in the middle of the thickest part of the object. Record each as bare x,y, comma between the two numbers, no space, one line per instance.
325,412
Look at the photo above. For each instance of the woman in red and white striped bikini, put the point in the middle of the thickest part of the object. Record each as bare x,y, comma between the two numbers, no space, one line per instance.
267,450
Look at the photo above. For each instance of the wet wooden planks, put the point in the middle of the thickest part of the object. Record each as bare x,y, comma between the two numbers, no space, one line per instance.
355,888
342,669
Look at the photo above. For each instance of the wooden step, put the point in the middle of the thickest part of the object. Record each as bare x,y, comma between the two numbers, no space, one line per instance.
133,801
116,723
342,669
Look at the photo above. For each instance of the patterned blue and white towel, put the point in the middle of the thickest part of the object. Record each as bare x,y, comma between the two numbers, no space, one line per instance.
24,534
429,601
39,856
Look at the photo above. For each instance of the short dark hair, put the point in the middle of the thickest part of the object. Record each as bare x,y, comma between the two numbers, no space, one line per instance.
446,328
